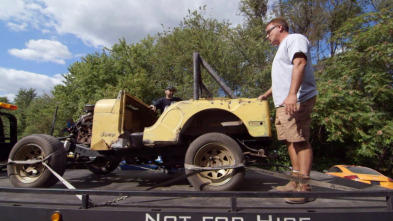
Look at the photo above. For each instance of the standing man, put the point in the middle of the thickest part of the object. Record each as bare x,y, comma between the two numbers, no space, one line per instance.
294,95
164,102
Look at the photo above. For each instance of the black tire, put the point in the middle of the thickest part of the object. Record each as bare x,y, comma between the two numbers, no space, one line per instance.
36,147
215,149
102,166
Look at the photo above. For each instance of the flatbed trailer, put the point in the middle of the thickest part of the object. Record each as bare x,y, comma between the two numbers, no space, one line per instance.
140,195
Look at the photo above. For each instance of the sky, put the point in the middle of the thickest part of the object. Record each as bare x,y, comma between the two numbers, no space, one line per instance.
40,39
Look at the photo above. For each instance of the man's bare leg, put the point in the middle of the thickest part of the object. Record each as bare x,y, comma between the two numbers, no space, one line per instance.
301,157
293,156
304,157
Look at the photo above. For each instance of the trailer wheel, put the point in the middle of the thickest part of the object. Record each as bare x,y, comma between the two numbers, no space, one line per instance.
215,149
102,166
36,147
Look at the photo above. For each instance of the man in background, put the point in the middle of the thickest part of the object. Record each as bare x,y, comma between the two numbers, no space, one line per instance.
164,102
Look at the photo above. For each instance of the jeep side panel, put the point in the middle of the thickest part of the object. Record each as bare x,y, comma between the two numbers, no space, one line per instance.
253,114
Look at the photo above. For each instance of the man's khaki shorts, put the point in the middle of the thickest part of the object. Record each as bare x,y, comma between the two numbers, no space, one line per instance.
295,128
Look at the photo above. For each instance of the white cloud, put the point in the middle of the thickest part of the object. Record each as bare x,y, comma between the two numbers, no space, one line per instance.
16,26
103,23
43,50
12,80
22,12
11,8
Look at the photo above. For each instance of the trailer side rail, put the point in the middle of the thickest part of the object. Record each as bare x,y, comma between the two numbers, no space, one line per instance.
233,196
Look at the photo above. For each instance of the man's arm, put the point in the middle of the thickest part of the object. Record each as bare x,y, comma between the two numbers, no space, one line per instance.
299,64
267,94
156,104
153,108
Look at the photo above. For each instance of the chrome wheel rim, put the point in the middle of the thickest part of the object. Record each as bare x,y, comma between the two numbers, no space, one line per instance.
29,173
215,155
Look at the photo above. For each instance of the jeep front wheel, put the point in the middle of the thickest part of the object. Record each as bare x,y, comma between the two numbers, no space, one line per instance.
215,150
32,148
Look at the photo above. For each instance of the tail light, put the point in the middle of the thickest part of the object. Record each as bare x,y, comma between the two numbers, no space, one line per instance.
352,177
390,179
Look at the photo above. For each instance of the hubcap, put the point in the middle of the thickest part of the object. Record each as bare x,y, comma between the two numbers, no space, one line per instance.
30,172
215,155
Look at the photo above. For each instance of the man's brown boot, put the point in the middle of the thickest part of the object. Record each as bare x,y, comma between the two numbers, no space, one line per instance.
302,187
291,186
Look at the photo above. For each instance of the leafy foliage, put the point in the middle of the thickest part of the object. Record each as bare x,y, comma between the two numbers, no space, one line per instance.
23,99
4,100
355,105
319,20
39,115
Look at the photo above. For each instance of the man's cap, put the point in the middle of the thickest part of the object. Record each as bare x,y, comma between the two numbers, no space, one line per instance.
171,88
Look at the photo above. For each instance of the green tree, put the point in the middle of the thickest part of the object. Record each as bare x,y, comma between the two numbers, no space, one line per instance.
379,5
340,11
136,62
319,20
85,84
4,100
39,116
354,111
196,34
256,52
23,99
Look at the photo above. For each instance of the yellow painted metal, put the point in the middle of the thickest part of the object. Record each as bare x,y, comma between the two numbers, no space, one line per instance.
253,113
114,117
127,114
106,123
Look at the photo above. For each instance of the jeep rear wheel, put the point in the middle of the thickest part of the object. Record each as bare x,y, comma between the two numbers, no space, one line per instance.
36,147
215,150
102,166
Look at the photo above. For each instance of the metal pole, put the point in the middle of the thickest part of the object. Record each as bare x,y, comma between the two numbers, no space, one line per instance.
211,71
197,75
85,201
54,121
233,204
204,88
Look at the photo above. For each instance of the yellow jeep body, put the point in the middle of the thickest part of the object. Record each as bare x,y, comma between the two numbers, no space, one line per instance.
115,119
251,113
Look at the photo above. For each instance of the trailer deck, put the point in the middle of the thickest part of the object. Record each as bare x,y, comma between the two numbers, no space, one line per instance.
123,195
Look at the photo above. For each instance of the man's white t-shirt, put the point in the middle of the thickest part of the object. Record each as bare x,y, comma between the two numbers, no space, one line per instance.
282,70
